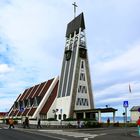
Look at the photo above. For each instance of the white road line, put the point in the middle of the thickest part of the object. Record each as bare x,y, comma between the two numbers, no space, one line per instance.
86,136
51,130
102,134
73,134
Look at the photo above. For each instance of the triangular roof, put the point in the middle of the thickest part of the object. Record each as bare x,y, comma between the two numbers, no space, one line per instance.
135,108
75,24
45,91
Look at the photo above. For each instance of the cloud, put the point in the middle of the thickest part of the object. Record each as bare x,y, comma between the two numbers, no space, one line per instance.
4,68
9,103
120,68
125,62
113,76
32,40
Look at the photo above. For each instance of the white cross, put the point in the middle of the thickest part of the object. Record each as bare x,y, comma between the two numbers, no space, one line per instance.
74,4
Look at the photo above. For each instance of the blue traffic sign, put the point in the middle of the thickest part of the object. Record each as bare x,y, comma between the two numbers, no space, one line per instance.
21,109
138,109
125,103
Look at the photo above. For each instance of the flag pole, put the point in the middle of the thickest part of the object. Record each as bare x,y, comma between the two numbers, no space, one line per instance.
130,91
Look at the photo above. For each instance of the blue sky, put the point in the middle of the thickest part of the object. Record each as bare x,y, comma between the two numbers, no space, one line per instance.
32,40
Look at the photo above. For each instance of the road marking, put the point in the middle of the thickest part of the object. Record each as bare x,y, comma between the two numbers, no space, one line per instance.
51,130
93,136
53,137
46,133
102,134
73,134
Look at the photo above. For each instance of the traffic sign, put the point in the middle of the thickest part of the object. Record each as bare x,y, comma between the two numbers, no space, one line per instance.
125,103
138,109
21,109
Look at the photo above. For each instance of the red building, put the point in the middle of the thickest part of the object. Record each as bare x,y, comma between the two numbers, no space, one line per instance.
2,114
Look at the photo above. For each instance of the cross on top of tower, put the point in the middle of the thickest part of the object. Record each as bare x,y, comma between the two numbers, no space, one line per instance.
75,6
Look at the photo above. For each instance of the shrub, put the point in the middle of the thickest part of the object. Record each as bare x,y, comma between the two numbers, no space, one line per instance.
51,119
131,124
70,119
90,124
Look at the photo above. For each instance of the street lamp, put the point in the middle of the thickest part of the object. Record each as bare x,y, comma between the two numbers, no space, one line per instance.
107,106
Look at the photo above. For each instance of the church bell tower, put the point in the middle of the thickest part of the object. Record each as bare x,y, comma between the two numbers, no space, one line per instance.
75,88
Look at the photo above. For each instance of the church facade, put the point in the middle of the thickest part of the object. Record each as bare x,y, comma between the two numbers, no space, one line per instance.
61,97
75,89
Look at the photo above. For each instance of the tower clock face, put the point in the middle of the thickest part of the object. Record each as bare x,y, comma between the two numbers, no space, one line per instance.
82,53
68,54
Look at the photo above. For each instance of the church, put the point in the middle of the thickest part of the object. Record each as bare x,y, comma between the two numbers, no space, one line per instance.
67,96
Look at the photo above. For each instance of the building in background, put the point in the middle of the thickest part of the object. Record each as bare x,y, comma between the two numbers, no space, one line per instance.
3,114
134,113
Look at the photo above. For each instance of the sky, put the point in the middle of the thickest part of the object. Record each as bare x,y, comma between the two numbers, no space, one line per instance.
32,40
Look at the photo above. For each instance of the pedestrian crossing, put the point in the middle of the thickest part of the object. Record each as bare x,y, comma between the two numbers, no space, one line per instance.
72,134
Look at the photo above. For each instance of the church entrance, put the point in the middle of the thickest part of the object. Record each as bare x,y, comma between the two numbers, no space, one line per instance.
83,115
79,116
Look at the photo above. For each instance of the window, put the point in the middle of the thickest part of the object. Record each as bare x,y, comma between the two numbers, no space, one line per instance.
55,116
64,117
78,101
20,104
82,102
59,116
82,89
82,64
25,102
28,103
35,102
15,105
79,89
31,101
38,100
82,77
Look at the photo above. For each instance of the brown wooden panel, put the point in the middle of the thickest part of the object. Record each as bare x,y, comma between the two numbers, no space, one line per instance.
29,92
23,94
50,100
39,89
33,90
47,85
31,112
25,112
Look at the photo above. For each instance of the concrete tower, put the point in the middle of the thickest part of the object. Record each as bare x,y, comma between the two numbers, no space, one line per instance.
75,89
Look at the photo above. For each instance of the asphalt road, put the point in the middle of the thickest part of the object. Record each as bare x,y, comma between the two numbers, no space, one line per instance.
68,134
13,134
